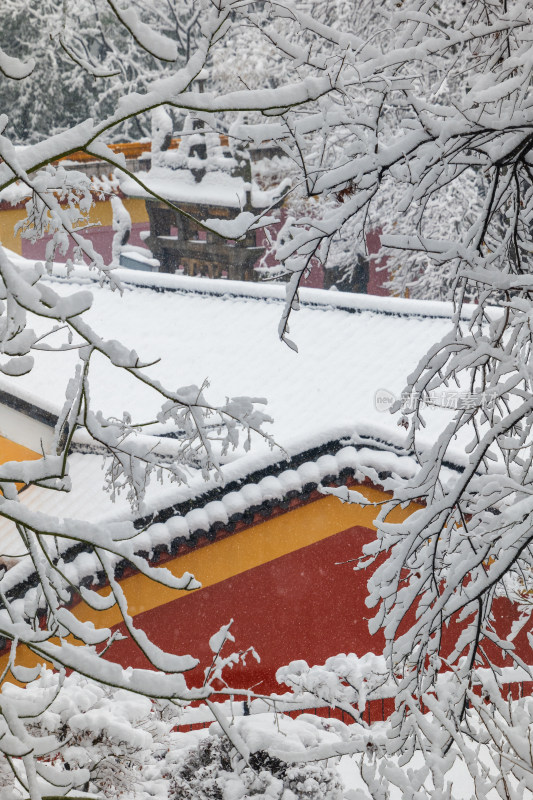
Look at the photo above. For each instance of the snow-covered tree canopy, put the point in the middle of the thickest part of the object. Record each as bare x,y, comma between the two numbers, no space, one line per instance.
83,62
439,101
383,112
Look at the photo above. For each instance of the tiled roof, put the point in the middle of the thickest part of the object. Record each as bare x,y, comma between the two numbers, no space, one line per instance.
219,512
321,399
226,332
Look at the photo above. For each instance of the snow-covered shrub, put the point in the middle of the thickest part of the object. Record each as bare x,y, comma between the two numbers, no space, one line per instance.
116,743
196,775
213,770
343,681
113,739
110,739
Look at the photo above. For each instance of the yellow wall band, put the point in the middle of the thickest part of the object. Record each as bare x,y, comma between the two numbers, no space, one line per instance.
99,214
242,551
10,451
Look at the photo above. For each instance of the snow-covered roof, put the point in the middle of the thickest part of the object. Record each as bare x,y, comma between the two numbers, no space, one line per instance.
322,399
205,512
215,189
350,347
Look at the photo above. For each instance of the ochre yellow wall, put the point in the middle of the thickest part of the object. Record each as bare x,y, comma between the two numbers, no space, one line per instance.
249,548
137,209
9,451
100,213
8,219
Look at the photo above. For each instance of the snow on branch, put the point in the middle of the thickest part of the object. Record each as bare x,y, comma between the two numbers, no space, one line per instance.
14,68
150,40
411,122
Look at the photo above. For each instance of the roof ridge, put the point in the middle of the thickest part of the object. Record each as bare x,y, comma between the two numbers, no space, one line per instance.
270,292
253,499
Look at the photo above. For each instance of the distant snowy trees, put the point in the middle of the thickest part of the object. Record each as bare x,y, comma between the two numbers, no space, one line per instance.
55,93
84,61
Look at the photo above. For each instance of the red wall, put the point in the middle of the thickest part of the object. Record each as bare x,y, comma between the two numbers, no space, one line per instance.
101,237
309,604
377,272
301,605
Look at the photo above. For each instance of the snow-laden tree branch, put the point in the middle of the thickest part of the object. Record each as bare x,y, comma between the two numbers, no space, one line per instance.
440,102
424,102
32,315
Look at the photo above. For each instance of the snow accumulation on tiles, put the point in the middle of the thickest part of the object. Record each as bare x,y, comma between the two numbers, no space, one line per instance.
239,501
215,189
350,347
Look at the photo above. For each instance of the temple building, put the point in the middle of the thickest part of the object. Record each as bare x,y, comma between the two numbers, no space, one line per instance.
203,180
270,550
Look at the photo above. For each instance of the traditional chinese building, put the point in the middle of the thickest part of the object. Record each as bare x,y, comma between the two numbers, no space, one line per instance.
271,552
203,180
